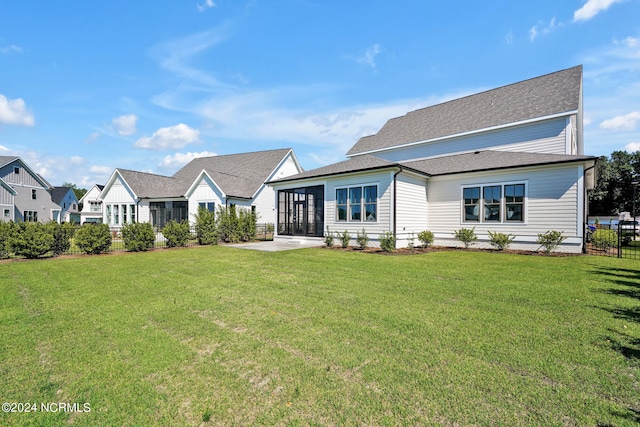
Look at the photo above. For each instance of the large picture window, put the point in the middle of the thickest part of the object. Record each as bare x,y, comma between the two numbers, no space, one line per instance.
357,204
500,203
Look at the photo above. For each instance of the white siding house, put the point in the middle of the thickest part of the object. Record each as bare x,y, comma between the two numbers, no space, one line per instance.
507,160
207,182
91,205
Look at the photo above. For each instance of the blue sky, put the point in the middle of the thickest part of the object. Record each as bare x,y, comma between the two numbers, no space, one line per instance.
88,86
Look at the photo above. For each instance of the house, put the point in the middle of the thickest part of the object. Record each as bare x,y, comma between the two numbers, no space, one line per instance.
66,199
507,160
24,194
207,182
91,205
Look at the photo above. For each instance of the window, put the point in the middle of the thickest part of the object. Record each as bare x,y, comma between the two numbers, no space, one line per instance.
355,207
132,211
514,201
357,204
210,206
31,216
7,213
492,202
471,203
500,203
124,214
33,194
116,214
341,204
109,214
16,170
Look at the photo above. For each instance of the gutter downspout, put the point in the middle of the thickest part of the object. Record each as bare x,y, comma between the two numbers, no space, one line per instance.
395,199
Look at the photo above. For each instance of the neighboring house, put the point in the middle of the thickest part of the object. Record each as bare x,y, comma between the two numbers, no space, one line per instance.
66,199
208,182
91,205
24,195
507,160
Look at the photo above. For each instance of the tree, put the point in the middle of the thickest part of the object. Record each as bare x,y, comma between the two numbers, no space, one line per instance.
614,192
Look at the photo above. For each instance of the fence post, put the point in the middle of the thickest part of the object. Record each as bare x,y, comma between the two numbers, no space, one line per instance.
619,241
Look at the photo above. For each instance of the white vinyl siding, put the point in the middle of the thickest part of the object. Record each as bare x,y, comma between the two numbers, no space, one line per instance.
382,180
543,137
551,202
204,191
411,207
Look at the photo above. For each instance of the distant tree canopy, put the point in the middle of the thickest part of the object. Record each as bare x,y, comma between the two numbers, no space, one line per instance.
614,189
79,192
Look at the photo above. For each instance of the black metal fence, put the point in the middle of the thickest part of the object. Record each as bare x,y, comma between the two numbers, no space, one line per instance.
615,240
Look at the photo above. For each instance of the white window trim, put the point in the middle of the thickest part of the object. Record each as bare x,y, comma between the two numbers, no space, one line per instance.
502,184
362,203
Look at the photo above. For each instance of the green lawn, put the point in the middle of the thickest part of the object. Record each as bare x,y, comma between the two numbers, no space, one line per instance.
223,336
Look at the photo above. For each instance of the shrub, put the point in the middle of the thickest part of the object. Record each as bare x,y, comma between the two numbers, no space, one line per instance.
228,224
501,241
93,238
62,234
269,228
466,236
31,240
207,227
426,238
7,230
604,239
363,239
176,233
550,240
345,238
328,238
247,225
138,236
387,242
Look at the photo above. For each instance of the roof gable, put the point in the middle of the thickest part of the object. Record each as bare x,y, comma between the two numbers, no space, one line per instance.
6,160
545,96
236,175
59,193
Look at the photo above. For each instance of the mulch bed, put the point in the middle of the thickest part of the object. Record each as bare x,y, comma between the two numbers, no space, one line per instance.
421,250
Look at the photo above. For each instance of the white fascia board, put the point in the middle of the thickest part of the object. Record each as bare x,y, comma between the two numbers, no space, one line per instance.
195,182
112,178
472,132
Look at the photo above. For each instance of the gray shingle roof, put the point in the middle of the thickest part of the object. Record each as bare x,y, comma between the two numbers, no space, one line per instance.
446,165
149,185
357,164
488,160
237,175
542,96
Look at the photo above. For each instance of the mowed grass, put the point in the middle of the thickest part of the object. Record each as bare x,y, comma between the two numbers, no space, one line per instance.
223,336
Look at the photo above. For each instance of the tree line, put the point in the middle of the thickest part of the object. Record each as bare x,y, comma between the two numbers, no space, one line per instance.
614,191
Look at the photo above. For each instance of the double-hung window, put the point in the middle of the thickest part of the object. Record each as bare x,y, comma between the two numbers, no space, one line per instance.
357,204
494,203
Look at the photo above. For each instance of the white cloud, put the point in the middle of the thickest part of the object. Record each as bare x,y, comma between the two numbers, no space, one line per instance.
14,112
173,137
369,56
126,124
181,159
543,28
591,8
509,38
632,147
208,4
622,123
5,50
92,137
